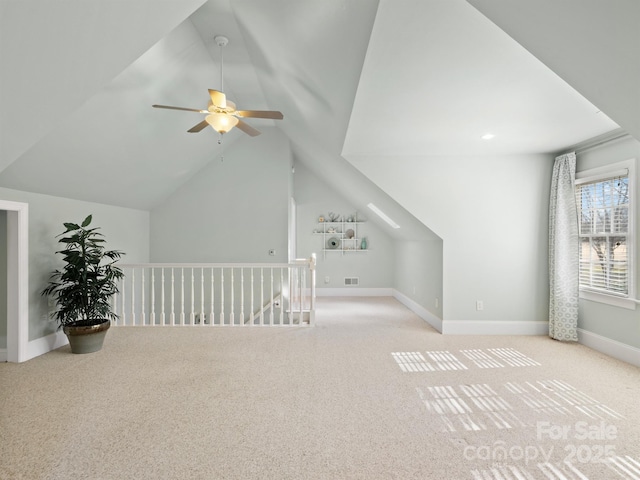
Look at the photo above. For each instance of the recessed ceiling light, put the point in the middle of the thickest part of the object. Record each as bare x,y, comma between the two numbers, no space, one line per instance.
383,216
487,136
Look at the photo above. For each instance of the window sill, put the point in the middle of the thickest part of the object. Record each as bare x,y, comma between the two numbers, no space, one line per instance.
608,299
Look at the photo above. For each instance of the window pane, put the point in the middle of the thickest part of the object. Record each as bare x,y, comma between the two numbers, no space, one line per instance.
603,209
620,219
603,223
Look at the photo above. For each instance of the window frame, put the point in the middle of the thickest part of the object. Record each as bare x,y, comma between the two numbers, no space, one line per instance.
626,167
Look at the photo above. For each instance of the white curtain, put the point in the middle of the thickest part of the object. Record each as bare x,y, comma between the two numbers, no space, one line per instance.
563,251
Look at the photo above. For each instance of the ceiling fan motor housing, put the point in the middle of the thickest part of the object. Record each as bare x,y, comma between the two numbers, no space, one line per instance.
221,40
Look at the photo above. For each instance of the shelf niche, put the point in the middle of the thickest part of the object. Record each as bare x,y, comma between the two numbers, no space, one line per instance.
339,230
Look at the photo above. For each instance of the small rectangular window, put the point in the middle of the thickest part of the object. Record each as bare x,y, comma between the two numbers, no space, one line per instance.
606,239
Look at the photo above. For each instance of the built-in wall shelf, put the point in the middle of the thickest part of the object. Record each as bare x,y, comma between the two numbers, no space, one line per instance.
341,236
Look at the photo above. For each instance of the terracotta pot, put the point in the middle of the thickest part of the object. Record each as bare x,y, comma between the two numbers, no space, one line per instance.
86,338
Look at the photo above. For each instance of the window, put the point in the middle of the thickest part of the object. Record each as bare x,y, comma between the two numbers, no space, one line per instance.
605,219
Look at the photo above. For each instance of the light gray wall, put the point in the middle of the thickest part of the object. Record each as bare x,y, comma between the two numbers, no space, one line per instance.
124,229
3,279
418,272
492,215
233,210
314,197
609,321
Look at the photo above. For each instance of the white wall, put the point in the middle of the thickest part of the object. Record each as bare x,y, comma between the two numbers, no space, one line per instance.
233,210
314,197
612,322
124,229
418,273
492,215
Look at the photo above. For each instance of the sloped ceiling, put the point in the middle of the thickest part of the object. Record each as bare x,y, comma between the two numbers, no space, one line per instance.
56,55
593,45
449,76
76,98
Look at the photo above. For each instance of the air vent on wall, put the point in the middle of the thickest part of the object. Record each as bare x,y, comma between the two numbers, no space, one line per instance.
351,281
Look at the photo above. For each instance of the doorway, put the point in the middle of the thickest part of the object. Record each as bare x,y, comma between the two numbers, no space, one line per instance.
16,239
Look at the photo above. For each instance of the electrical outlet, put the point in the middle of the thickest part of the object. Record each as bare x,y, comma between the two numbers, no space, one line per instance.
326,279
272,252
479,305
437,302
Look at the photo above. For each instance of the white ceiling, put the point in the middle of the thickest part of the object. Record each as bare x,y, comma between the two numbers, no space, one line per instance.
427,78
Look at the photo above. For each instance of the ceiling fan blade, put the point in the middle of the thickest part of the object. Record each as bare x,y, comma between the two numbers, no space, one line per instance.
248,129
260,114
219,99
180,108
197,128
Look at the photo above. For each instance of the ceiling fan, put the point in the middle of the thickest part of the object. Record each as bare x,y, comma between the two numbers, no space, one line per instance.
221,113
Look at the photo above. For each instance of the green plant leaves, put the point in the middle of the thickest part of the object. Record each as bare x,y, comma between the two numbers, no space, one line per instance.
83,288
71,226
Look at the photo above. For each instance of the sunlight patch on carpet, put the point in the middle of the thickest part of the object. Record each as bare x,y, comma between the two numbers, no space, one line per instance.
445,360
558,397
412,362
469,407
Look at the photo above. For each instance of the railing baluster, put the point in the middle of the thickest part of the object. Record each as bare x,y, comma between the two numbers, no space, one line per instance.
172,315
261,296
232,320
182,296
242,297
222,296
290,299
133,300
301,293
123,292
312,300
281,297
143,317
271,301
162,298
192,315
152,314
212,321
202,314
252,312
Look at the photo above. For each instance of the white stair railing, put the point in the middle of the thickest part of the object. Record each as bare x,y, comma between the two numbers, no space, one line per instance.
222,294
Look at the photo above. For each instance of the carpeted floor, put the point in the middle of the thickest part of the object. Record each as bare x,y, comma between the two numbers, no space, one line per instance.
370,392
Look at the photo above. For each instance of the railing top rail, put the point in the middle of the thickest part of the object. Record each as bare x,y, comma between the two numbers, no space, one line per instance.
296,263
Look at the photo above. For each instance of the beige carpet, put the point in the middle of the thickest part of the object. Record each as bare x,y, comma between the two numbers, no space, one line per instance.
371,392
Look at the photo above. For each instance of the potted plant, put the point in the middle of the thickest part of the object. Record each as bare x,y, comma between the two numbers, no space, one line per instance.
83,288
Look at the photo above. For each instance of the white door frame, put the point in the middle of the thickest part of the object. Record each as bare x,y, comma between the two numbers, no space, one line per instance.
17,279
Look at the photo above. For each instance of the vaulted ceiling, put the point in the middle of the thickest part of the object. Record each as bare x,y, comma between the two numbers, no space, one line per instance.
352,77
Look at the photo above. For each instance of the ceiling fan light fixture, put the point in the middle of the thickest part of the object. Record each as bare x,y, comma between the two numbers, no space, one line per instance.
221,122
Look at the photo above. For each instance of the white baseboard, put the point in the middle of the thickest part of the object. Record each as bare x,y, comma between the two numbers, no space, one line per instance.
3,355
494,327
354,292
40,346
613,348
419,310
